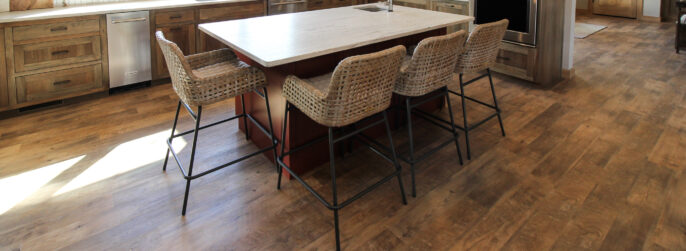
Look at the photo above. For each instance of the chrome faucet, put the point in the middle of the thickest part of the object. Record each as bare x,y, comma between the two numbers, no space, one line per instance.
390,5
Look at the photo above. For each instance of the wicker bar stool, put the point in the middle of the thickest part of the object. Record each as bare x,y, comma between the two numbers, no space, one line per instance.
204,79
481,52
359,89
429,69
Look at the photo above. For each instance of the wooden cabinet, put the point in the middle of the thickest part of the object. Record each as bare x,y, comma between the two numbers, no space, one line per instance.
317,4
230,12
540,64
454,7
35,56
420,4
178,26
515,60
58,84
172,17
341,3
326,4
207,43
184,37
54,59
55,29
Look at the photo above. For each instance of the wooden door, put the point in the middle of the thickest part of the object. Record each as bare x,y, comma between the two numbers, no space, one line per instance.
184,37
668,10
4,88
620,8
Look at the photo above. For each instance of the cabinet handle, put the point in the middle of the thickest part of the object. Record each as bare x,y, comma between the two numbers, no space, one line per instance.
55,53
63,82
504,58
175,29
175,17
59,28
140,19
293,2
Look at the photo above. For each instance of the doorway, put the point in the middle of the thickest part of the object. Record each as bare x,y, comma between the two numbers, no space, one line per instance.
620,8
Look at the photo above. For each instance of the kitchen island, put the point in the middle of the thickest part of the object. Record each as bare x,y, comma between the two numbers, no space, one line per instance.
309,44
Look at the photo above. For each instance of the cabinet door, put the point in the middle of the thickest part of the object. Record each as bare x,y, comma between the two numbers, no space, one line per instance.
4,93
515,60
207,43
55,53
183,36
460,8
318,4
60,84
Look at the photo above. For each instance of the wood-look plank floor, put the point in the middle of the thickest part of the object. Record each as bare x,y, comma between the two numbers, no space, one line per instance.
594,163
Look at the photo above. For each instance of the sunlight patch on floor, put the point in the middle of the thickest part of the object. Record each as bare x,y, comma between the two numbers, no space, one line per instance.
15,189
123,158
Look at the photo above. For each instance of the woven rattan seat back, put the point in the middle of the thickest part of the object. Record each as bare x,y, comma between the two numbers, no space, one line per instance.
432,64
179,69
208,77
481,49
360,86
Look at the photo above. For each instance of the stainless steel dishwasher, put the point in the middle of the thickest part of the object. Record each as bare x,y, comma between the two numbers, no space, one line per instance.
128,46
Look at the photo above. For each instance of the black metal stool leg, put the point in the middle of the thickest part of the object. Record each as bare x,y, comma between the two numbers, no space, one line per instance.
464,115
283,144
395,157
245,119
171,138
408,108
190,167
271,127
333,188
452,124
495,102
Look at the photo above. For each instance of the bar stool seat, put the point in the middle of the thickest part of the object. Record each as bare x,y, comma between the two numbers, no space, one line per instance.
359,90
204,79
481,52
428,70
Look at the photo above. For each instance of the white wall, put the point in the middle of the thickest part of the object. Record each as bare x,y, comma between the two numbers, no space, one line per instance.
568,45
651,8
4,5
582,4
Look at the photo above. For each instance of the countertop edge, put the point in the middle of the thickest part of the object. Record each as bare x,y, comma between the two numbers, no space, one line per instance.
289,60
100,9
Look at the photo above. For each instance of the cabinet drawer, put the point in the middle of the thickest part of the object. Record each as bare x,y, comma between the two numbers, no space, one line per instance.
318,4
455,8
171,17
341,3
49,54
515,60
58,84
55,29
183,36
234,11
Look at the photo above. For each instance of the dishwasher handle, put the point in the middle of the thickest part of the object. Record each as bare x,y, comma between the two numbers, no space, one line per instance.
140,19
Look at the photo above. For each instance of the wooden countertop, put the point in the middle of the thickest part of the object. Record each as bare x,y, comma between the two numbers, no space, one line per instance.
97,9
282,39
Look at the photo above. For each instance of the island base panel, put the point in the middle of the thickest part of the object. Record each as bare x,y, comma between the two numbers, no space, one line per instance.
301,129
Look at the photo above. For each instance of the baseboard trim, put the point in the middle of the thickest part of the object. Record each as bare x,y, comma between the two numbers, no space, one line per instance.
650,19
